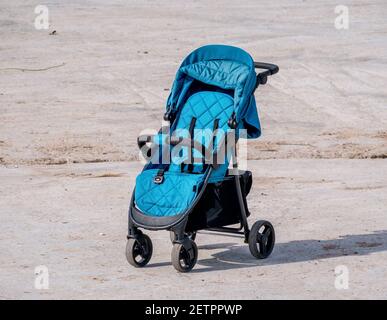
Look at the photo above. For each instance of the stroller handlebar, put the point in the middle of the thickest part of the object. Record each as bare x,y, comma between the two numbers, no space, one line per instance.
270,70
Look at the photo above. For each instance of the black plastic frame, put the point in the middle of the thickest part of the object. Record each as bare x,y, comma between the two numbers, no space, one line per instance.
262,76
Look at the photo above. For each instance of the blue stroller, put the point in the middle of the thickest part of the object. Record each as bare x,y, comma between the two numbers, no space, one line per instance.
186,185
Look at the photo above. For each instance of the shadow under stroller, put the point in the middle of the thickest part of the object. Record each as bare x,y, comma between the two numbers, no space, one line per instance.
186,185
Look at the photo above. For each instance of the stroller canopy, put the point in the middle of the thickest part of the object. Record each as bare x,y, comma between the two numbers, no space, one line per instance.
225,67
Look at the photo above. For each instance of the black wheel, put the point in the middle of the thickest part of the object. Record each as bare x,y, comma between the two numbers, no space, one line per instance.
261,239
191,235
184,257
139,251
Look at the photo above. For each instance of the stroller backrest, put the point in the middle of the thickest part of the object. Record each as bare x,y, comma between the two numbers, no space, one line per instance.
204,118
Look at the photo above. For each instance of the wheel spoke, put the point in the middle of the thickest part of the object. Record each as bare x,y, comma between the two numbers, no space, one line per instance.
135,253
137,250
262,248
184,257
267,232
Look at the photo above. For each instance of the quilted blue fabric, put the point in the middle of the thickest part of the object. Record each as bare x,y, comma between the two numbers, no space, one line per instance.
222,73
205,106
179,189
169,198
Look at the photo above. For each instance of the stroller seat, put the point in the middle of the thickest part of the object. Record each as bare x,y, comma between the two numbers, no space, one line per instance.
181,182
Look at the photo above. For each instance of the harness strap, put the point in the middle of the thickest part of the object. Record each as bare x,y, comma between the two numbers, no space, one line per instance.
190,160
191,133
214,153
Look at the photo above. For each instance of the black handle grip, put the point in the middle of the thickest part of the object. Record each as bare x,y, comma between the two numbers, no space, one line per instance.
270,70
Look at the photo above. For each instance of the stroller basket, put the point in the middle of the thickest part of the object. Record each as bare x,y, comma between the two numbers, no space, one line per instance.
219,205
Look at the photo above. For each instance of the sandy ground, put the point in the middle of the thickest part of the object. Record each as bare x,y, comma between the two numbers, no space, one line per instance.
72,219
73,103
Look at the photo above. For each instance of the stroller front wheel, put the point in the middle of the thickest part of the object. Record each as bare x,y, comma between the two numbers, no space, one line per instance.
184,256
261,239
139,250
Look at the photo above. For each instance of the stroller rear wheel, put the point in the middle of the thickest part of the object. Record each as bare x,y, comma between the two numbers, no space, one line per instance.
261,239
139,250
184,256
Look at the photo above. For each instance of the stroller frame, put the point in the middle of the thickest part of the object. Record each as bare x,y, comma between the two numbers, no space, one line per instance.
184,253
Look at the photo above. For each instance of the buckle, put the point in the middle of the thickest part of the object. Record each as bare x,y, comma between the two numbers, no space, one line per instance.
159,178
